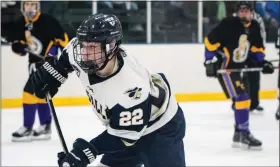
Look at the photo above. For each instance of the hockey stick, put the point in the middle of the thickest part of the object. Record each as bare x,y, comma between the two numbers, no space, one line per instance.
50,103
274,60
60,135
39,56
241,70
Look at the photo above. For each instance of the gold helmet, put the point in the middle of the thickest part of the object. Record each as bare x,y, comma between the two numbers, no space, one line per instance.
30,14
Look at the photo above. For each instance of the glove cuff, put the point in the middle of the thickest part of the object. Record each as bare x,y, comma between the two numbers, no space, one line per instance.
57,64
55,69
208,62
87,149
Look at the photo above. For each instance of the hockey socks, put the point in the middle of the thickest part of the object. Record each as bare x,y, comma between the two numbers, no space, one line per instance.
29,111
44,113
241,112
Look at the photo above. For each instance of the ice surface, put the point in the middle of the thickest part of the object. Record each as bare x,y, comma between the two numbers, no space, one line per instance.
207,142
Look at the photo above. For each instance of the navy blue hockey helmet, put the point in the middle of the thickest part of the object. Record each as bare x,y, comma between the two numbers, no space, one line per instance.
97,30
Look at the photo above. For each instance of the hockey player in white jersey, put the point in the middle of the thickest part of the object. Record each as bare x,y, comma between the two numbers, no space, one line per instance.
144,123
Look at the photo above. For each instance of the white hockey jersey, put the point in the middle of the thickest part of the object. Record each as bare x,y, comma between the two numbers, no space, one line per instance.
132,102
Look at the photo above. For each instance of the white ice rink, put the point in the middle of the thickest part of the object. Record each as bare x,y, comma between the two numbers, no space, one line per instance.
207,142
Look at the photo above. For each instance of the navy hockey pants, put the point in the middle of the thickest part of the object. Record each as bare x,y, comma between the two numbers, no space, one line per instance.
162,148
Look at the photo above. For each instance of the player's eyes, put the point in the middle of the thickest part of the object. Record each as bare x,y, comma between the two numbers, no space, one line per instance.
88,47
244,10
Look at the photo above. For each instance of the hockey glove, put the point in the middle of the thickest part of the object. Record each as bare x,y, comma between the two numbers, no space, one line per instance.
267,67
82,154
32,67
19,48
211,68
49,77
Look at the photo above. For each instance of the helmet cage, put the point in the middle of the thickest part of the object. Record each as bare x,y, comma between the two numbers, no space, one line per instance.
244,5
88,62
30,15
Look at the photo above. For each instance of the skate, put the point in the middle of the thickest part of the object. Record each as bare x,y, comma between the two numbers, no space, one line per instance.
23,134
258,109
236,138
42,133
246,140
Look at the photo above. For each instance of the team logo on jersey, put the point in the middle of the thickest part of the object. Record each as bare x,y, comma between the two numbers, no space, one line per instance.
29,26
240,54
34,44
89,88
77,70
134,93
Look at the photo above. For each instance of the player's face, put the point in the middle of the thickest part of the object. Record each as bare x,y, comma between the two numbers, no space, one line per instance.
245,14
30,6
92,51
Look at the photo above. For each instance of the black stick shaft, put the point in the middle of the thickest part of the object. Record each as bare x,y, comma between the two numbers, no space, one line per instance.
276,60
60,135
221,71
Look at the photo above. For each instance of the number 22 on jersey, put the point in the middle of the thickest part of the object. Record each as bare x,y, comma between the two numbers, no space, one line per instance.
128,118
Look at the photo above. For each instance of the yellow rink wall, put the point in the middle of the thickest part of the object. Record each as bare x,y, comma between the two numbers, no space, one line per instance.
181,97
